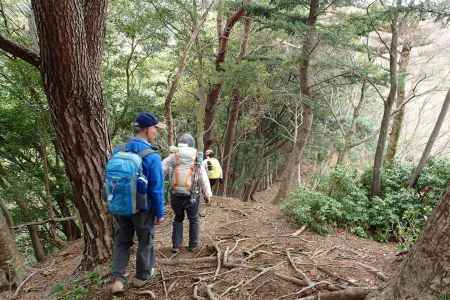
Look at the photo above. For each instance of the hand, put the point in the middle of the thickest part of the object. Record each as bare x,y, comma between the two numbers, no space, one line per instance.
159,221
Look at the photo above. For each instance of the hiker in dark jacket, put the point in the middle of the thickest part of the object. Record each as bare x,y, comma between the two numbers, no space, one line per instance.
146,130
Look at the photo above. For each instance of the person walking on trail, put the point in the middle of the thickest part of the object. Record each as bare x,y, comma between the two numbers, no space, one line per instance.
188,180
134,186
213,168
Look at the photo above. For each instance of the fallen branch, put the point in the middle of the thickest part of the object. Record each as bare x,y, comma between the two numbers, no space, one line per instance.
219,258
23,283
187,261
146,293
210,293
237,242
43,222
233,287
291,279
291,261
172,286
347,294
252,255
373,270
164,283
298,232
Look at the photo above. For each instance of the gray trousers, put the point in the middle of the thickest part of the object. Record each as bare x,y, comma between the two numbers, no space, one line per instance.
124,228
182,206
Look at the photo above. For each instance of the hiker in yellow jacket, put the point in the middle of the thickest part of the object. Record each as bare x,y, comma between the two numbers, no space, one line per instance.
212,166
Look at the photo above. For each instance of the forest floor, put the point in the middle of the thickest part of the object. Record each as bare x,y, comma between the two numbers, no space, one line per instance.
255,245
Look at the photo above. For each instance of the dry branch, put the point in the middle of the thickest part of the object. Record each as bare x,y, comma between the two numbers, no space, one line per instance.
291,261
347,294
186,261
373,270
146,293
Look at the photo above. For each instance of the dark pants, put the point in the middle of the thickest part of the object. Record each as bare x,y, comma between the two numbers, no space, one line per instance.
214,183
182,206
124,229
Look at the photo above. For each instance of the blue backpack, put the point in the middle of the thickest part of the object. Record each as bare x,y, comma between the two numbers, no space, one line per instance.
125,183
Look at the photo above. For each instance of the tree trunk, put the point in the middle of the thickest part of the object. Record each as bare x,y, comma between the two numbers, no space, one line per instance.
384,127
424,274
48,196
214,92
70,228
289,175
70,40
397,123
342,155
8,217
33,230
173,87
11,264
430,143
233,116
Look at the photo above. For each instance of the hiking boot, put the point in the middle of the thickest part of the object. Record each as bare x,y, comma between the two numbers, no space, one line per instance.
195,248
176,250
117,286
139,283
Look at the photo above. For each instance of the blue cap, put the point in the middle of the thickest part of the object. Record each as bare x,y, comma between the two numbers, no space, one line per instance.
146,119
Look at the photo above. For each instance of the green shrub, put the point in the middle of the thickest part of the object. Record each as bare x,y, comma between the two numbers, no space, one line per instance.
399,214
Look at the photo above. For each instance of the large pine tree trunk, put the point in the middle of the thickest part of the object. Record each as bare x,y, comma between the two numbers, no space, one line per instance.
11,266
434,134
397,123
388,104
425,274
289,177
70,40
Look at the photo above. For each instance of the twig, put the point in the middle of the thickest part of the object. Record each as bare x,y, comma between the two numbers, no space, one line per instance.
291,279
146,292
237,242
186,261
164,283
172,286
291,261
233,287
219,259
23,283
257,288
373,270
256,254
210,293
300,231
347,294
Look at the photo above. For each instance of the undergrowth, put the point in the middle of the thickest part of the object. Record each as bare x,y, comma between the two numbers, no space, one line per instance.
342,200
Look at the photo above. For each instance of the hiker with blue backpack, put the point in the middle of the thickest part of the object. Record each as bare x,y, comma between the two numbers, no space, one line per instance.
188,182
134,185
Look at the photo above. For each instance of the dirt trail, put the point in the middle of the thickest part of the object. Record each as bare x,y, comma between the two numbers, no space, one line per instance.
255,239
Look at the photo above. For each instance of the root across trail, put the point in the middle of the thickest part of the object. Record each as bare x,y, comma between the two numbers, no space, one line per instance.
249,251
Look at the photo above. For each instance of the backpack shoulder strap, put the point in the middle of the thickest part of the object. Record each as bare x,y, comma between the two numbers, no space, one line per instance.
121,148
146,152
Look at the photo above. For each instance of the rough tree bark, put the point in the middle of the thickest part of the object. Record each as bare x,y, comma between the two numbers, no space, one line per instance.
11,264
425,273
235,108
434,134
397,122
388,103
214,91
70,39
289,176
